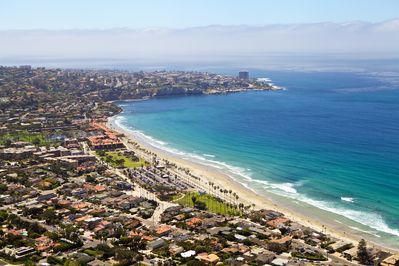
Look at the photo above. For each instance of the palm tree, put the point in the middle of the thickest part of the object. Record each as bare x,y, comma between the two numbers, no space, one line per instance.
241,206
194,199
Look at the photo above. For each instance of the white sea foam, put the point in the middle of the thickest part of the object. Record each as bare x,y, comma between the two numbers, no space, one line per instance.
348,199
242,175
286,187
372,220
283,188
209,155
120,120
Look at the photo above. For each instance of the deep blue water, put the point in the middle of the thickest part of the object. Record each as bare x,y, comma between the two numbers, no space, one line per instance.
330,139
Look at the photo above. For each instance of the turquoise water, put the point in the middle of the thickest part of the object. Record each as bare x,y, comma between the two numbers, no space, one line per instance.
330,140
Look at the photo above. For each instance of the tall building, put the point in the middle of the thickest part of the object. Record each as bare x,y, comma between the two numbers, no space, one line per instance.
243,75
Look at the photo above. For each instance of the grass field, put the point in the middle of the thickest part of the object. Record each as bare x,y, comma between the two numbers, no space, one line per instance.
38,139
213,204
117,159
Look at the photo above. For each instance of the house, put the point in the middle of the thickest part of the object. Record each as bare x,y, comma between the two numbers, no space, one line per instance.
45,197
235,249
155,244
82,258
240,237
350,254
163,230
98,262
71,144
105,142
20,252
187,254
276,223
211,259
280,245
217,230
391,261
341,246
17,153
260,231
265,258
43,243
279,262
194,222
175,249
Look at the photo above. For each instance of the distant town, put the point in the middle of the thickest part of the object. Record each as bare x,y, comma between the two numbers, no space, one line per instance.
76,192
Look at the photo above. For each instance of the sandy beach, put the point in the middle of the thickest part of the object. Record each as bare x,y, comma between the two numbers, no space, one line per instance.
299,212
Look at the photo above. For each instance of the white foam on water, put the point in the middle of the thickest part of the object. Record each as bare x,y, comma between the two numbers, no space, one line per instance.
372,220
286,187
348,199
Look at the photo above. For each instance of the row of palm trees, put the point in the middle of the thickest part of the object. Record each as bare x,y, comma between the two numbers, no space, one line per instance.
229,196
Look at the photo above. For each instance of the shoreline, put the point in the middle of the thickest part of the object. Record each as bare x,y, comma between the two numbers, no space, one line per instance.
249,196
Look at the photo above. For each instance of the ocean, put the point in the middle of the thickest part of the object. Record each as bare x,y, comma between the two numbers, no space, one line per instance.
330,140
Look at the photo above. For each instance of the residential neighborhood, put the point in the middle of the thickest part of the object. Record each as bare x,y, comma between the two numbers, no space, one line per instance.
76,192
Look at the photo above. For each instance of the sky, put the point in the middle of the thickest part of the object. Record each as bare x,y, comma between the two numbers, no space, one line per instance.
105,14
241,32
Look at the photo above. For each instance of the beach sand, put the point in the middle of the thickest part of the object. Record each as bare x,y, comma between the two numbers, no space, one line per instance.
319,220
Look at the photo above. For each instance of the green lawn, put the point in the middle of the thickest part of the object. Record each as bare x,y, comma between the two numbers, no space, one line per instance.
38,139
213,204
117,159
93,252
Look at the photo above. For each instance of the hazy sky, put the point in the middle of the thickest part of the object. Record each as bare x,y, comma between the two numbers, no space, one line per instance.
238,31
95,14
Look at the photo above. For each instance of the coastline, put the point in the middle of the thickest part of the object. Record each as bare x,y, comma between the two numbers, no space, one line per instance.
303,215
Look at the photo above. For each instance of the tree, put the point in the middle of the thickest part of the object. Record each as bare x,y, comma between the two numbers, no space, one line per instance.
100,153
363,255
126,256
72,263
7,143
36,141
90,179
200,205
29,262
3,187
120,162
133,243
3,215
50,216
106,250
194,199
